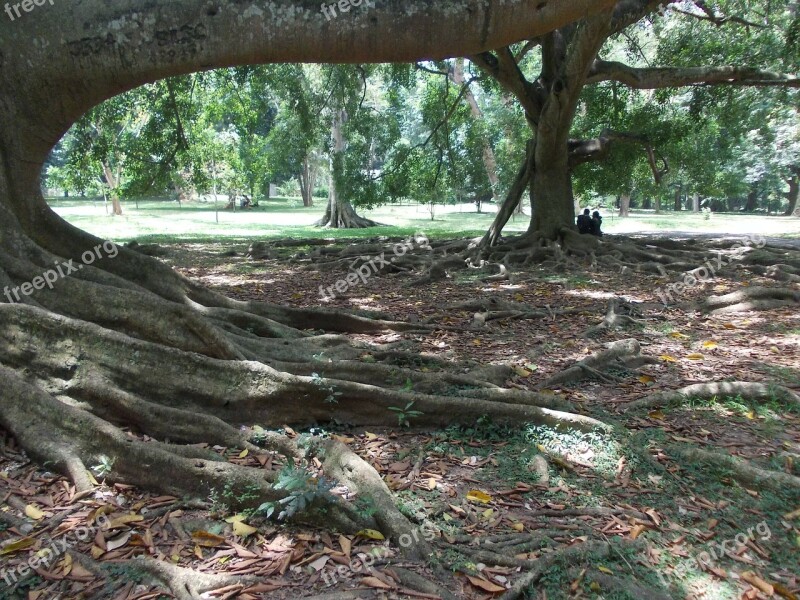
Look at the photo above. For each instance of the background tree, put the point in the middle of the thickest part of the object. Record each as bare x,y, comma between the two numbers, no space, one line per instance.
573,57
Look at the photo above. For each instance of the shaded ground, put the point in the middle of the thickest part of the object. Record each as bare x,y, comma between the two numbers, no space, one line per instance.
660,511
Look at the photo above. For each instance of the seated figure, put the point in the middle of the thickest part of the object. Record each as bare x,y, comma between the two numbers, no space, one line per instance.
584,222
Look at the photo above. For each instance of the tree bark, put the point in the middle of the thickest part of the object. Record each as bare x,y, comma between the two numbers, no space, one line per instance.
678,198
752,200
489,159
793,193
696,203
307,182
339,213
625,205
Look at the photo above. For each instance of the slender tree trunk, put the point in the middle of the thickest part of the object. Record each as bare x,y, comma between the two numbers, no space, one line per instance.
696,202
307,181
657,201
794,192
625,205
489,159
113,182
513,198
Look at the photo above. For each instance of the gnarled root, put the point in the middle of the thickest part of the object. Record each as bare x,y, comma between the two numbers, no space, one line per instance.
720,389
751,298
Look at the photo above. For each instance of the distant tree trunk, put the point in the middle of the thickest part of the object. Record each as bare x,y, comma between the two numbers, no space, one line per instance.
794,192
696,202
340,214
678,198
752,200
625,205
658,204
489,159
113,182
308,178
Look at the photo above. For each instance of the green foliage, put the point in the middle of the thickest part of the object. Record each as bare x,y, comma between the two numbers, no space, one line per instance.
404,415
302,489
326,386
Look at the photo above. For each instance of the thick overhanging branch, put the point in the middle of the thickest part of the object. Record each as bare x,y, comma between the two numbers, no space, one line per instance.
651,78
502,66
584,151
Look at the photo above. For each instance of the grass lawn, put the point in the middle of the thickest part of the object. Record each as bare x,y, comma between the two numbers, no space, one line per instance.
164,221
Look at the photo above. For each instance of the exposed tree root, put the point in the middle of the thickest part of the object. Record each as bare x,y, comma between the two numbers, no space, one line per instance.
751,298
621,355
614,319
747,390
573,554
741,470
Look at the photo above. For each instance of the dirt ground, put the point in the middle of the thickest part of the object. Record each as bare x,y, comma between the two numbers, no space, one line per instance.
677,527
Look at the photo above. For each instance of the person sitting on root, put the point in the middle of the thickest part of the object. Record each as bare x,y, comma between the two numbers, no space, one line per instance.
596,224
584,222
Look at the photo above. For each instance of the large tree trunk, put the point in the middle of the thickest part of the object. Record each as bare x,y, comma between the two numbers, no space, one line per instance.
339,213
551,191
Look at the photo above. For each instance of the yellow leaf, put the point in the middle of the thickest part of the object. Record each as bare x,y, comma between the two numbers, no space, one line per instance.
206,539
371,534
370,436
605,570
522,372
594,586
668,358
774,350
646,379
710,344
34,513
124,520
244,453
243,529
750,414
695,356
656,414
518,527
478,496
476,342
236,518
22,544
431,483
488,514
678,336
729,326
519,297
792,515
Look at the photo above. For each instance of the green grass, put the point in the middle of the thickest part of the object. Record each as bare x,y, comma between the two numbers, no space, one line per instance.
164,221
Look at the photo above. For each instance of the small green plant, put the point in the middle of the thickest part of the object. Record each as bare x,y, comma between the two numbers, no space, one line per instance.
104,467
365,507
404,415
302,489
320,382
